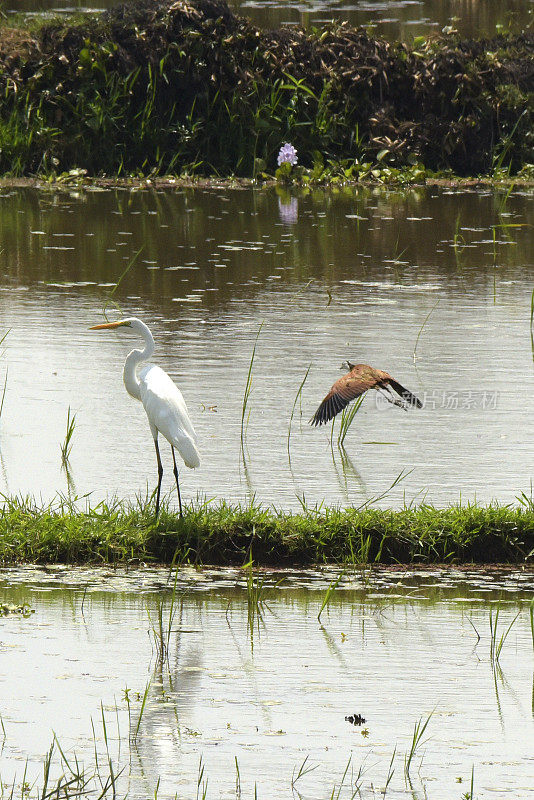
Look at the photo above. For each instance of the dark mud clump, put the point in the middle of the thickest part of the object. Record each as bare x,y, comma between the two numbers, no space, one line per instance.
191,87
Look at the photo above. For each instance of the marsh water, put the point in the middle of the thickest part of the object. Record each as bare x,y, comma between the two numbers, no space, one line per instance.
432,285
394,19
257,706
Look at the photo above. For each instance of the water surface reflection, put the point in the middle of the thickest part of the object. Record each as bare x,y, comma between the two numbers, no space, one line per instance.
393,646
394,19
372,275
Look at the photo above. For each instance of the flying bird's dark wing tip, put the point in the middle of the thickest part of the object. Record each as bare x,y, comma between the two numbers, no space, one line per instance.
331,405
409,398
320,416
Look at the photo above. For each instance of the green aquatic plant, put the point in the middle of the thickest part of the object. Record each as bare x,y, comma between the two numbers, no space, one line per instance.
246,394
5,379
66,445
496,641
111,293
298,397
417,740
202,782
303,770
336,791
347,418
532,323
237,779
255,599
391,772
420,331
328,593
161,623
144,699
531,614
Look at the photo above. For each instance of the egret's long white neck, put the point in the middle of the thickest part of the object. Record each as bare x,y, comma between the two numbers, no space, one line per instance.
129,375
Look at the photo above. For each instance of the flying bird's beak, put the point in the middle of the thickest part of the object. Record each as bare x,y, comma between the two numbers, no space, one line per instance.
107,325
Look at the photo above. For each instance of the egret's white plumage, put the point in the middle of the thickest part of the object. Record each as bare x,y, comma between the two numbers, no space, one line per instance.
162,400
167,413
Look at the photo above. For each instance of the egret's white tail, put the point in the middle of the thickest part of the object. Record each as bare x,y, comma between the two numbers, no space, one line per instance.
188,450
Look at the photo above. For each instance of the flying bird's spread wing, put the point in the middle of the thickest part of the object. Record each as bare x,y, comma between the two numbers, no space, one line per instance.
347,388
356,382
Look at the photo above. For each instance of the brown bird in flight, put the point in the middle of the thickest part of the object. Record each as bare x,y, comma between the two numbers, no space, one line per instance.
356,382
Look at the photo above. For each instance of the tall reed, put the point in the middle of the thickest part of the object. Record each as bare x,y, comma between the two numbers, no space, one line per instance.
295,401
247,391
66,445
421,328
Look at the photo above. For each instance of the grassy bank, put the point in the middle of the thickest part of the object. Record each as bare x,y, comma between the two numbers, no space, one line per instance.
223,534
158,87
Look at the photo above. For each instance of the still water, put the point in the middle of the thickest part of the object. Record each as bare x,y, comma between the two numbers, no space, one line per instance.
238,709
394,19
431,285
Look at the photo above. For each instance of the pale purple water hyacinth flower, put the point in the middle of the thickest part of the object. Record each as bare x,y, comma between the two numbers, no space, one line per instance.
287,154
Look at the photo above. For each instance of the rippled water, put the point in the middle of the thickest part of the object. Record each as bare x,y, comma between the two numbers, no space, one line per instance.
396,19
408,281
392,646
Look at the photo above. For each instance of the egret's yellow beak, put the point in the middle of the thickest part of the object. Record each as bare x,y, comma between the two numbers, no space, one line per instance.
108,325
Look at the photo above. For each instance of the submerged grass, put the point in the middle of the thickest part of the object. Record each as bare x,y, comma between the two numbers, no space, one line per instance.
220,533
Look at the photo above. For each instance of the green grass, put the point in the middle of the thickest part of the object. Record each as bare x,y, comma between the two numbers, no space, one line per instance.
496,641
245,414
419,729
66,445
219,533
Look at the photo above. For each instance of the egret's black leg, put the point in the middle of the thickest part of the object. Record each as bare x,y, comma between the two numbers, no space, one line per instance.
177,484
160,475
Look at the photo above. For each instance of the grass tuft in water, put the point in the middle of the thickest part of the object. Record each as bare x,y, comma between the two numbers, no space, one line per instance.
328,593
144,699
347,418
303,770
497,642
417,737
66,445
391,772
161,625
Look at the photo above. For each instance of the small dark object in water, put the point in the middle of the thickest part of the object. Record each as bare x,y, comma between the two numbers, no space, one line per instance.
355,719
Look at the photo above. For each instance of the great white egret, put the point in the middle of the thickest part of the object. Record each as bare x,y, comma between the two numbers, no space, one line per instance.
356,382
162,400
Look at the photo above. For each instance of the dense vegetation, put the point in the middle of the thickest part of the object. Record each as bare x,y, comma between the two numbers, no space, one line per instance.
159,87
222,534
